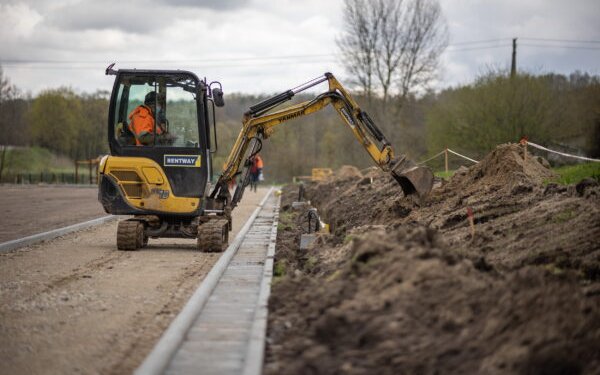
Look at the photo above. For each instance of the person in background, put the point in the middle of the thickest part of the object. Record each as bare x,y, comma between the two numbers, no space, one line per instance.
259,167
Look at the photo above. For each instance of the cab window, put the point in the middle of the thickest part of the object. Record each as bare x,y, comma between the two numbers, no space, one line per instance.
156,111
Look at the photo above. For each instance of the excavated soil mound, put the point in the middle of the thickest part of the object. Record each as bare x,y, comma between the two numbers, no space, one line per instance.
401,286
506,164
504,167
518,219
403,303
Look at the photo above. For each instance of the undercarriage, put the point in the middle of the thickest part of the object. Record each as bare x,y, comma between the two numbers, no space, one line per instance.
211,232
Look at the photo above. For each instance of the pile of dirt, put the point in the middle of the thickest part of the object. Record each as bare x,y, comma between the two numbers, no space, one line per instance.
506,165
505,168
516,215
348,172
401,285
402,302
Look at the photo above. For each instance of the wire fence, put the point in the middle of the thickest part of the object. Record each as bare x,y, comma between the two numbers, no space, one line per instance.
80,177
48,178
524,142
529,143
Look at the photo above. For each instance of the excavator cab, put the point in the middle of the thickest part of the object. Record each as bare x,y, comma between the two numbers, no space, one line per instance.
176,118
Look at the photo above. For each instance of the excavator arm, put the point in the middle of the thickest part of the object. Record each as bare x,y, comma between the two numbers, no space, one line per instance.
258,124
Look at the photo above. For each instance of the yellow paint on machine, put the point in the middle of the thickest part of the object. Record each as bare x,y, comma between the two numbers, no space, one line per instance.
153,175
145,185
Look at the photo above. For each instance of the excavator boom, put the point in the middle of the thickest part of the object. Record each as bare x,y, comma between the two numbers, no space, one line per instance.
260,123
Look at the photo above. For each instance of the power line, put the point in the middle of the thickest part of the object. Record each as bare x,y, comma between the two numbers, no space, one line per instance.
555,46
477,48
214,59
562,40
183,66
478,42
217,59
306,58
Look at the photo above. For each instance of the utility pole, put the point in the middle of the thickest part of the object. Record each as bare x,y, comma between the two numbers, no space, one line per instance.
513,65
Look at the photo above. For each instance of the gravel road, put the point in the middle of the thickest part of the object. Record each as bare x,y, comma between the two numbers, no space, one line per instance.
76,305
28,210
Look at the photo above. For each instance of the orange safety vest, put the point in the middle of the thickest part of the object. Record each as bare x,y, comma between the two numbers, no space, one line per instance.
259,162
141,120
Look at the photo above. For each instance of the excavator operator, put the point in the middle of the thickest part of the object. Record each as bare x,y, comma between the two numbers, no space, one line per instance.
141,120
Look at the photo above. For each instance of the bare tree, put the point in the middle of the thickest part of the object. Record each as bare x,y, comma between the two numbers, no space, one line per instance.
7,90
427,39
359,42
397,42
10,110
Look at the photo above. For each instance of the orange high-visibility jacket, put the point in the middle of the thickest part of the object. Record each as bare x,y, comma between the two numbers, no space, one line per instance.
259,162
141,121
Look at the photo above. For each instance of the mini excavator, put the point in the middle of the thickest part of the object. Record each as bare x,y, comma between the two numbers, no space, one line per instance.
165,183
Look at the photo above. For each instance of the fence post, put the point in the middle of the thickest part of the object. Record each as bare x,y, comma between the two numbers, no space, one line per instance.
523,142
76,173
90,169
446,159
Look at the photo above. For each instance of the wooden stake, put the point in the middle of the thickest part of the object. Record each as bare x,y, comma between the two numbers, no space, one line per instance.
523,142
446,160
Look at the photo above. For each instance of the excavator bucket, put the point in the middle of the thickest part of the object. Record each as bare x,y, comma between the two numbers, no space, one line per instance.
413,179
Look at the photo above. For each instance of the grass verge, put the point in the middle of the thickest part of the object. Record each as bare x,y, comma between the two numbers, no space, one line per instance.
568,174
571,174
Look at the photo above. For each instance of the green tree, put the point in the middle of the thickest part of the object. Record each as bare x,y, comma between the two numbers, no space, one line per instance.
92,134
495,109
56,119
548,109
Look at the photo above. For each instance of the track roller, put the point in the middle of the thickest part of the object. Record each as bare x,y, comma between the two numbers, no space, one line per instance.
213,235
130,235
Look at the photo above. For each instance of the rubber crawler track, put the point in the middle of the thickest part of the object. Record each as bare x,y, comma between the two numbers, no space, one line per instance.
213,235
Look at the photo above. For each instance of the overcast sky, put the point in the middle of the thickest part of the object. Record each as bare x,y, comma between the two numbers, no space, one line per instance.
256,46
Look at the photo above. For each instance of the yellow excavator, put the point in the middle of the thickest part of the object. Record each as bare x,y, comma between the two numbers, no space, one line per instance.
164,178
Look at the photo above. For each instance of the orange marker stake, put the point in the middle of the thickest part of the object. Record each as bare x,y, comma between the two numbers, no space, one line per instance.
523,143
471,222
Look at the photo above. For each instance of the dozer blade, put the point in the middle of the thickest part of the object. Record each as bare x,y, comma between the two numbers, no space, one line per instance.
413,179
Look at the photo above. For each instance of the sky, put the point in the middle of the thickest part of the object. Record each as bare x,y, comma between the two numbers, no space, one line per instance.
261,46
